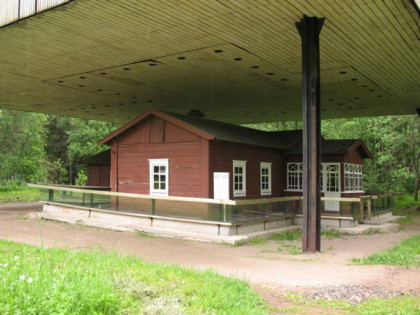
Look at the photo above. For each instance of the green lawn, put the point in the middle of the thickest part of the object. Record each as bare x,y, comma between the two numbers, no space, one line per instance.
35,280
407,253
24,194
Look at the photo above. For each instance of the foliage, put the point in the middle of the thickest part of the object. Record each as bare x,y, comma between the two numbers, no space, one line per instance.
81,179
405,202
22,149
407,253
36,280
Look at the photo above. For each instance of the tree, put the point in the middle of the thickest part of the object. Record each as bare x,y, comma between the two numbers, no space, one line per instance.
22,149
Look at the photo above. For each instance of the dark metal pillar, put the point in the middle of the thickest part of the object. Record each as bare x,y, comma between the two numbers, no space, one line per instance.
309,29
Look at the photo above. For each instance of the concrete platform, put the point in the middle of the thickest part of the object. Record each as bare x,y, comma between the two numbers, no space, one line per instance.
369,228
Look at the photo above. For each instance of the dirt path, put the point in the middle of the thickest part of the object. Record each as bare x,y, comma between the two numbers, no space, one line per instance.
270,265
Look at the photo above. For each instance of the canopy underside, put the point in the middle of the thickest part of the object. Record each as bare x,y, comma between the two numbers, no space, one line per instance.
235,61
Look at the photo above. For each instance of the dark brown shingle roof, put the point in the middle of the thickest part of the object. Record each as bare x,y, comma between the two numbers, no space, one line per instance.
239,134
342,146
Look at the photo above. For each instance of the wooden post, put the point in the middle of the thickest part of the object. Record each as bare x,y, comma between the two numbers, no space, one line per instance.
309,29
369,209
362,210
51,195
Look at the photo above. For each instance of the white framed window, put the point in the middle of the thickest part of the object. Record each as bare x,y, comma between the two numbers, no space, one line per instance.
330,177
353,177
294,176
265,178
159,176
239,178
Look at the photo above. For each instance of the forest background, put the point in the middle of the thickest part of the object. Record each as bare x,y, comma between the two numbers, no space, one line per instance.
45,148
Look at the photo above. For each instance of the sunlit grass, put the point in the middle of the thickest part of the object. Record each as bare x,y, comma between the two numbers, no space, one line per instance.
35,280
25,194
400,305
407,253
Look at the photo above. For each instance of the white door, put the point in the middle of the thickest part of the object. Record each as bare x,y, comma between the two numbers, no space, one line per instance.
331,185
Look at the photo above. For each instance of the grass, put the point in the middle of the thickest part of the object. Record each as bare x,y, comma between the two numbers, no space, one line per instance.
405,202
36,280
407,253
294,235
24,194
404,305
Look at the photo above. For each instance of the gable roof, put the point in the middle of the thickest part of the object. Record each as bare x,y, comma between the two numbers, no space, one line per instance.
216,130
342,146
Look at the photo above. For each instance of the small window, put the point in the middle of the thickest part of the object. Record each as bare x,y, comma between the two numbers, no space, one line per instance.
353,177
295,176
239,178
265,178
159,178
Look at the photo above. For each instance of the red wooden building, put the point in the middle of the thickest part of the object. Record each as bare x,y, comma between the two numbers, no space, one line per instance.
170,154
98,169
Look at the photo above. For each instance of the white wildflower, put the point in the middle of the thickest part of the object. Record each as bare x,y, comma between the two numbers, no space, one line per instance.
5,265
16,257
22,277
30,280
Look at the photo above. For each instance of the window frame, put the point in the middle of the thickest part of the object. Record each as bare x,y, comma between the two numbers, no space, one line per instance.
353,173
152,164
267,191
298,177
239,192
325,176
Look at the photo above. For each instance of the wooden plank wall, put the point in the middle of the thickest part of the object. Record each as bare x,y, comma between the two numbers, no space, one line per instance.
155,138
225,152
99,175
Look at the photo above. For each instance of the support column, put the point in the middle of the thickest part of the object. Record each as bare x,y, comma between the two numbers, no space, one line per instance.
309,29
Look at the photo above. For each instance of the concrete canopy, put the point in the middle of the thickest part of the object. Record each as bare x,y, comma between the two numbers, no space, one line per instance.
235,61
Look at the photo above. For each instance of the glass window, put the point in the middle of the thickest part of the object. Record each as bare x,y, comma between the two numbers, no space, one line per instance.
353,177
239,178
265,178
294,176
159,176
330,173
